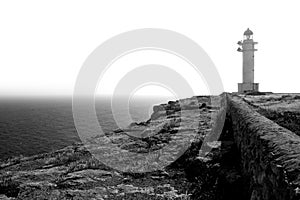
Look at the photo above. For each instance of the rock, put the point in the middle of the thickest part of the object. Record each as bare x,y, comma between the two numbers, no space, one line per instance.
158,108
203,105
4,197
118,130
73,173
135,145
157,115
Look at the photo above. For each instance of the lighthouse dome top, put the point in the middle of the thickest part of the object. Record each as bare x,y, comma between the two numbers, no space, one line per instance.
248,32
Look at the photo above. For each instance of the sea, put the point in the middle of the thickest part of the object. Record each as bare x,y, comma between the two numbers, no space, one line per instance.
30,126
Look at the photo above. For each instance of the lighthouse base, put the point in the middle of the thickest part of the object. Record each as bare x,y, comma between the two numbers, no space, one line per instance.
247,87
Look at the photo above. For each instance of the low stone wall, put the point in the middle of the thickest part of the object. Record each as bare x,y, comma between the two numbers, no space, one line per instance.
270,154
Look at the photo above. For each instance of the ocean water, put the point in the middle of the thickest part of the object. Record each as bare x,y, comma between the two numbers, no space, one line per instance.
33,126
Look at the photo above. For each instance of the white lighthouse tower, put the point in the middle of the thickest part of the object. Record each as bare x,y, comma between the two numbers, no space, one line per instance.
247,47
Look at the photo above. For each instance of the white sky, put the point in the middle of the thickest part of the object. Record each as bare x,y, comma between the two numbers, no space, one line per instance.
44,43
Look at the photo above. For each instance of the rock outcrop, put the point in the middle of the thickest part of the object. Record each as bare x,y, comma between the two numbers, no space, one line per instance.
253,158
75,173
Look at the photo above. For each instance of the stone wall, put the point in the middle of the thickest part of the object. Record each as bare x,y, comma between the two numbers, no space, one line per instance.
270,154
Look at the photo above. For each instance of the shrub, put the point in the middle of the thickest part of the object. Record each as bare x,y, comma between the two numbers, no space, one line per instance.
9,187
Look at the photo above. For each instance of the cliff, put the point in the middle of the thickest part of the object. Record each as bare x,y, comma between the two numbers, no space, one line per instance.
255,156
74,173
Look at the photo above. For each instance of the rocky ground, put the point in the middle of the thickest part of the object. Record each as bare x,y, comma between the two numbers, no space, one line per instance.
157,159
284,109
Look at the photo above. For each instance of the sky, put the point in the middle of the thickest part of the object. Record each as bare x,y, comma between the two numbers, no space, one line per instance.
43,44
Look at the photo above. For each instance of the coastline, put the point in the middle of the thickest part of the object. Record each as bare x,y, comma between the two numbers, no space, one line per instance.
73,171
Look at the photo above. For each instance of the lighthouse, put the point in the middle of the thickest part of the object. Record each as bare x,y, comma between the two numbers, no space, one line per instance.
247,48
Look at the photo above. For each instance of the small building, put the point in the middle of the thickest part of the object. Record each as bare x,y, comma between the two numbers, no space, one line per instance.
247,47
